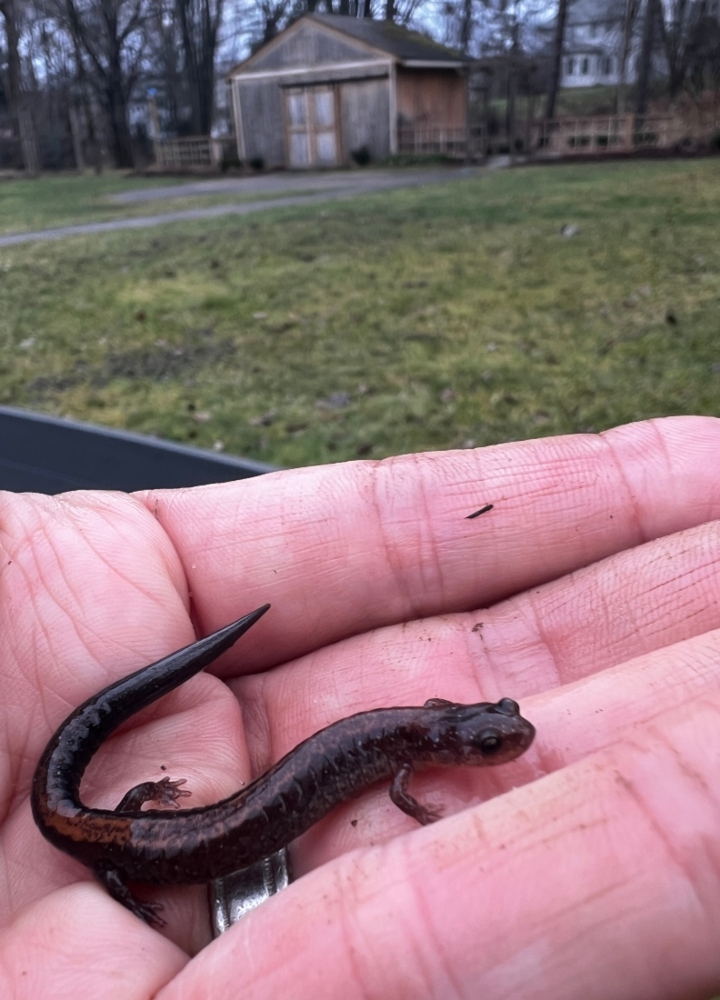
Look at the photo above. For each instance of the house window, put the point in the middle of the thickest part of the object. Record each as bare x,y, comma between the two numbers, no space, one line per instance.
585,66
607,65
593,30
570,67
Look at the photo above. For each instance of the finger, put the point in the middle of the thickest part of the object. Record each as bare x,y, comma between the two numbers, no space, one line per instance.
344,549
90,590
591,715
78,943
601,879
631,603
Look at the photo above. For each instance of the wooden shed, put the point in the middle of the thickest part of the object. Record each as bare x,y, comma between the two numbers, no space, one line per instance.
331,89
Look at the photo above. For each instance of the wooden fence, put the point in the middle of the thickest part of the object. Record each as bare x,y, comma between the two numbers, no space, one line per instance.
190,153
590,136
455,142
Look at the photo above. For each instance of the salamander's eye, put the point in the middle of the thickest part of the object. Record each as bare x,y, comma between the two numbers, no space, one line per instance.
490,742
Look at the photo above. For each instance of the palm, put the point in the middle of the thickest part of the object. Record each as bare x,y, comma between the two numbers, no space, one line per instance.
375,578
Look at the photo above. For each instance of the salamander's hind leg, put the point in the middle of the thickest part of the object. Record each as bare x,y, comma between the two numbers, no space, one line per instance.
165,792
118,889
403,800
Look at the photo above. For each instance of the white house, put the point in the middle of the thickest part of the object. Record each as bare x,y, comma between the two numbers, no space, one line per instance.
594,42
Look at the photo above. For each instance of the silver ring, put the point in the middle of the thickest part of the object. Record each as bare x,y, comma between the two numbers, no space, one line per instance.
232,896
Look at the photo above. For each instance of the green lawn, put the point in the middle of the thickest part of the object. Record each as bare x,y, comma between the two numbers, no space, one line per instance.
436,318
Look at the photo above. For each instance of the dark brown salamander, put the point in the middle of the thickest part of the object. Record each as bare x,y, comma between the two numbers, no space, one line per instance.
197,845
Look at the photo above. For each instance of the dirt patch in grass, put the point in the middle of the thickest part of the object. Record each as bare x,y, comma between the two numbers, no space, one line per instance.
160,362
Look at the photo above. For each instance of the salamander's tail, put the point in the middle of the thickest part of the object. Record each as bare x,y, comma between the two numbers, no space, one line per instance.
67,754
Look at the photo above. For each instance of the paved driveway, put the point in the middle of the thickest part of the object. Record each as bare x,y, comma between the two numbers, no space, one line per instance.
282,189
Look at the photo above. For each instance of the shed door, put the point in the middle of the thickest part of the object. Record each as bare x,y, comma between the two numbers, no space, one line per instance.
312,135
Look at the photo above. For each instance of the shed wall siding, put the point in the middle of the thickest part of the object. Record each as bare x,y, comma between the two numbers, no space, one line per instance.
364,115
310,46
263,129
431,97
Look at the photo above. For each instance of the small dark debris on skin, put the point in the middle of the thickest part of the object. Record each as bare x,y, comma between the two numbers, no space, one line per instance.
353,822
483,510
477,627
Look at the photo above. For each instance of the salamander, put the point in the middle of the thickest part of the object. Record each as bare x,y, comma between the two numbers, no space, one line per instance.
162,846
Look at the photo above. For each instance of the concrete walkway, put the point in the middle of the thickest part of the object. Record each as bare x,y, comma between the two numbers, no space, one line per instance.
330,186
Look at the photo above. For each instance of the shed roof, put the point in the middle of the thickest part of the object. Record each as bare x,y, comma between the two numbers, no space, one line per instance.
390,37
384,36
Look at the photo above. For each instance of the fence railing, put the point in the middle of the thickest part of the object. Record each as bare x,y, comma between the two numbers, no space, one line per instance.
194,151
597,134
179,153
426,140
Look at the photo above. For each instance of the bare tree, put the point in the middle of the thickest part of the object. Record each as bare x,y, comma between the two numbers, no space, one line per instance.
677,30
9,9
164,65
653,14
274,14
557,56
109,40
704,58
199,22
632,9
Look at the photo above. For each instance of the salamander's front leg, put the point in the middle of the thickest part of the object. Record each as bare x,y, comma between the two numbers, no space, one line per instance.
116,885
403,800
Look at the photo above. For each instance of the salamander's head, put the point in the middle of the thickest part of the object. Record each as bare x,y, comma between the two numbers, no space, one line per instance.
481,734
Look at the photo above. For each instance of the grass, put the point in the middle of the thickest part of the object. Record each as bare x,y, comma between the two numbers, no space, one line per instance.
416,319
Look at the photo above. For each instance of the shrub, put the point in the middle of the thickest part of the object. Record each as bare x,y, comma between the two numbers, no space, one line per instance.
361,156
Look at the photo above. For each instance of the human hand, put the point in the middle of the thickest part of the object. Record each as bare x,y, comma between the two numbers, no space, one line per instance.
596,874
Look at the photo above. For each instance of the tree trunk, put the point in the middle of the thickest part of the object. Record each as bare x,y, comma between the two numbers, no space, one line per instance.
116,110
466,27
631,9
28,143
558,44
76,133
510,120
12,76
199,26
643,77
13,88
